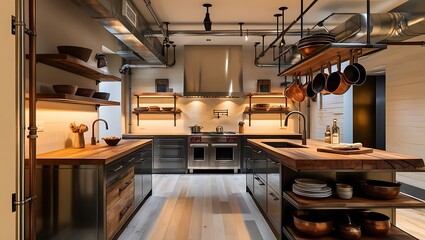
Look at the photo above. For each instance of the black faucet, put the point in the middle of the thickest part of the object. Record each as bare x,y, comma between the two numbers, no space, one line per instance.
93,138
304,135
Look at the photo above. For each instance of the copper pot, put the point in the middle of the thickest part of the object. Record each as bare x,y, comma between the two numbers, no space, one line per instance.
319,81
349,230
376,224
378,189
336,82
289,89
308,86
313,224
355,73
297,93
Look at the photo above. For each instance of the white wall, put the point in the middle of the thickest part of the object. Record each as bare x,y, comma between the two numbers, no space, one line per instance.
200,111
8,145
64,23
405,101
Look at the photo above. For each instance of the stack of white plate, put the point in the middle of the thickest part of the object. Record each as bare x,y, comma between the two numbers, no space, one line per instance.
313,188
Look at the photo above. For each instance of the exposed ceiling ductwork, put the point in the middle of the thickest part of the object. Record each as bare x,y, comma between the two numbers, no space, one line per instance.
385,27
124,21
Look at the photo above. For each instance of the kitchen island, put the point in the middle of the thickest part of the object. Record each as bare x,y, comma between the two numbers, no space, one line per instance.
92,192
274,164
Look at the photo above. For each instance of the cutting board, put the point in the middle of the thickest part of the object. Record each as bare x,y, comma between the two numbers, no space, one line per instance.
362,150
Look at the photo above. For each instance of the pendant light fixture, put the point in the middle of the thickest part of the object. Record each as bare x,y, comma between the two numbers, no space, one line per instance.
207,20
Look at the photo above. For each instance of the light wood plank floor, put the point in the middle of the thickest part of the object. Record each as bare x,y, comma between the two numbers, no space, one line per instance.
198,206
216,207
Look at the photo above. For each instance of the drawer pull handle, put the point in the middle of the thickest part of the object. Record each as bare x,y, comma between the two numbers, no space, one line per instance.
125,185
122,213
274,196
117,169
129,161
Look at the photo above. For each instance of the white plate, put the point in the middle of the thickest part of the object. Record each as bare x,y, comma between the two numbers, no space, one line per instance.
309,182
325,189
315,195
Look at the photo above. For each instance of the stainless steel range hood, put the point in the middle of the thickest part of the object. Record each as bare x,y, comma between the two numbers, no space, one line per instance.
213,71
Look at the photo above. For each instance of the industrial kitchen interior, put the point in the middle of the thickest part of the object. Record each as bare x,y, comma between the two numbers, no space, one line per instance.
139,119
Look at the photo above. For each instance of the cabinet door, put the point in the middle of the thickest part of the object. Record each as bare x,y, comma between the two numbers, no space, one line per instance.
260,163
273,173
147,170
249,163
260,191
274,209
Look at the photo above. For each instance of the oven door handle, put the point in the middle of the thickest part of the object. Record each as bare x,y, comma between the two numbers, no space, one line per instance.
224,144
198,145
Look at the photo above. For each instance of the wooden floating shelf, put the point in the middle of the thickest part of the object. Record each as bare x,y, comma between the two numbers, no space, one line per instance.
333,202
77,66
178,111
283,110
159,95
329,53
74,99
266,95
394,234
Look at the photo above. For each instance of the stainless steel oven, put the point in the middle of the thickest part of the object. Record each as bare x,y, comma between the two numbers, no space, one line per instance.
213,151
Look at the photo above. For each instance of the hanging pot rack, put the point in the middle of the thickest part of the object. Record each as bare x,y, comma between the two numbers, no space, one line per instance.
325,54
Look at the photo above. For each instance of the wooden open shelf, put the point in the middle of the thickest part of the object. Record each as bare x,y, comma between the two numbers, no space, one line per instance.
266,95
178,111
74,99
329,53
333,202
159,95
394,234
77,66
172,95
282,110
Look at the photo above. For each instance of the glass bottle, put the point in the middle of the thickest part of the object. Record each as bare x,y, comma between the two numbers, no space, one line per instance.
328,134
335,133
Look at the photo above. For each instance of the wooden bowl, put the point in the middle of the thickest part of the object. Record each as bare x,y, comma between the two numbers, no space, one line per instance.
102,95
377,189
312,224
75,51
67,89
112,141
85,92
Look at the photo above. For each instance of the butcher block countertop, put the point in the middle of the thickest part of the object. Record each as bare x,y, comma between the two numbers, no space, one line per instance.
98,154
308,158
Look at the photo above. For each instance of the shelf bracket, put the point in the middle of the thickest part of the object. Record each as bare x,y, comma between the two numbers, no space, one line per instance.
97,107
97,82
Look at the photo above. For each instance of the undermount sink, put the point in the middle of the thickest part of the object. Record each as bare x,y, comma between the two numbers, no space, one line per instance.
283,145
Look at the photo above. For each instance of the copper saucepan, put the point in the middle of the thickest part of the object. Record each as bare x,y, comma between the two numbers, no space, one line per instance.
319,81
336,83
297,93
308,86
355,73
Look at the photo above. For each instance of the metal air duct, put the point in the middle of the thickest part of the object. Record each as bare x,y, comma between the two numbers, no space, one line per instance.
125,22
385,27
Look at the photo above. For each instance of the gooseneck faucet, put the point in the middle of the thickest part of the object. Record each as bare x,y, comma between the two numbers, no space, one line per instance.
93,138
304,134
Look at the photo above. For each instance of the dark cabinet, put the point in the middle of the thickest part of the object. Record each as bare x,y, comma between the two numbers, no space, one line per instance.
263,181
248,161
170,154
142,173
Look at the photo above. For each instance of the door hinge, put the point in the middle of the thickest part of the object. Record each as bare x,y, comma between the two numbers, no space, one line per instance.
13,25
13,202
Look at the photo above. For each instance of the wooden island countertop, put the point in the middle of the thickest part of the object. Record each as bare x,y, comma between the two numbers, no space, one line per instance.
98,154
308,158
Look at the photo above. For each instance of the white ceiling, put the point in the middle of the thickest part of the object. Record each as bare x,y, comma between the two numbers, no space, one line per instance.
186,15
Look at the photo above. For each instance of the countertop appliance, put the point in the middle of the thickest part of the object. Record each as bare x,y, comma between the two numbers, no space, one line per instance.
213,150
